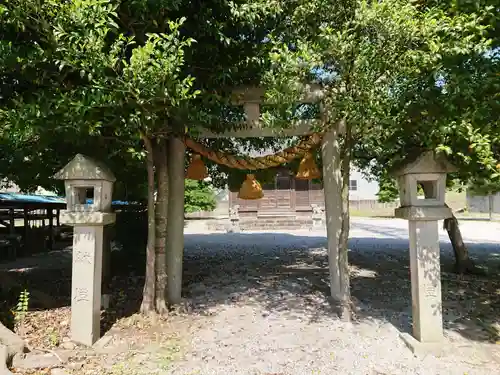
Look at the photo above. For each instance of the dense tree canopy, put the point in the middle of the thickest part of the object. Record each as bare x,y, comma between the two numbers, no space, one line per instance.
452,108
77,71
72,72
115,79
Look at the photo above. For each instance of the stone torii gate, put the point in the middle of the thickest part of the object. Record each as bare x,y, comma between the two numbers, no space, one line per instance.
96,216
251,99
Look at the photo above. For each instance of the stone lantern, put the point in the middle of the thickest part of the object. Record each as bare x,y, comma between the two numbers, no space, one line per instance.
428,171
88,186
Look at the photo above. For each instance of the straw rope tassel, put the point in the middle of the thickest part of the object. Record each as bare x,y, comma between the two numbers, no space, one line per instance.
250,188
196,169
308,170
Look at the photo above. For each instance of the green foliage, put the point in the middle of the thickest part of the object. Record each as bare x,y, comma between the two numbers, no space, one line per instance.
90,76
450,107
21,307
404,76
198,196
388,190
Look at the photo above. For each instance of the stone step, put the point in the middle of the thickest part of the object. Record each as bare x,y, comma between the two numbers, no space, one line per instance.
275,223
264,224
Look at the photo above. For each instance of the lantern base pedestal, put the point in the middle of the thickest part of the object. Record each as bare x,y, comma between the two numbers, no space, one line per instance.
422,348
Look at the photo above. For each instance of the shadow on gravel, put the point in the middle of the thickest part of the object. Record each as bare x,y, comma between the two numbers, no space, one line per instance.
281,272
287,273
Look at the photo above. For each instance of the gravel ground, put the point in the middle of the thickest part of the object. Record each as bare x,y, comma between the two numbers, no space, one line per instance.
257,305
263,305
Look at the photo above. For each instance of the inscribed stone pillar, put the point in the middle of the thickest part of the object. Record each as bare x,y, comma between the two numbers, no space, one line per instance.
88,186
86,284
332,185
175,221
86,277
425,280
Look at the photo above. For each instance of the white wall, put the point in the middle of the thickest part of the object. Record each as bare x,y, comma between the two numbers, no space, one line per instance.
481,203
367,190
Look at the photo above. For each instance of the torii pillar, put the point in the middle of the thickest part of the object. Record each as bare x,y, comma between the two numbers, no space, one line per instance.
175,222
332,187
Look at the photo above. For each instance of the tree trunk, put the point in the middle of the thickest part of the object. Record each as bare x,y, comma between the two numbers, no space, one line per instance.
161,213
10,345
463,264
345,285
175,226
106,266
148,298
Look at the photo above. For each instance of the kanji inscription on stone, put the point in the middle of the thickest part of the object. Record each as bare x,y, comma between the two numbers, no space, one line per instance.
81,295
430,291
83,257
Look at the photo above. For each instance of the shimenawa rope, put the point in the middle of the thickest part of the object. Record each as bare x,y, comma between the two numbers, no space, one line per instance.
260,162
